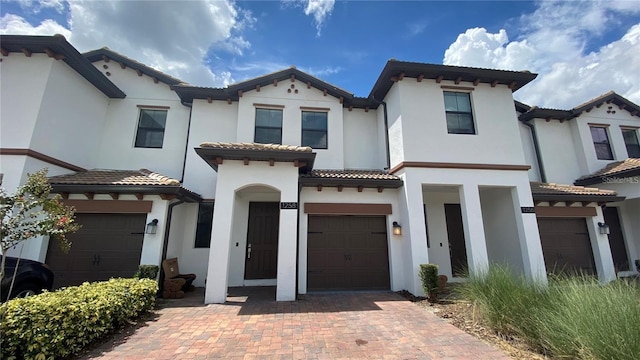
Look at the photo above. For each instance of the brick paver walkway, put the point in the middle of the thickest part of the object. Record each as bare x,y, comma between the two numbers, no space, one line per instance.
361,325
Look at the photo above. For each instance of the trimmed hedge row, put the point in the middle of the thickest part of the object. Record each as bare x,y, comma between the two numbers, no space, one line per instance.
61,323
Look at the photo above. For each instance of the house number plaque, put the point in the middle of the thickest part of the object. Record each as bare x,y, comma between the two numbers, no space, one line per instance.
528,210
288,205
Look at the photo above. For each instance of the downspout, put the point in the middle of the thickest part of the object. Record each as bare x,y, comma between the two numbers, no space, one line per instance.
165,242
536,148
386,131
186,145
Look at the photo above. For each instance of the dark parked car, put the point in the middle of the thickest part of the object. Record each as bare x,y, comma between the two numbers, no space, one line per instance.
31,278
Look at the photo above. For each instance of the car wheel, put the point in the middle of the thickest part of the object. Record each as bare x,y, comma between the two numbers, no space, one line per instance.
25,290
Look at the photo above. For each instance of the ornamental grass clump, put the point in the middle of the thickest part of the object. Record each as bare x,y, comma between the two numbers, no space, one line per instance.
573,317
61,323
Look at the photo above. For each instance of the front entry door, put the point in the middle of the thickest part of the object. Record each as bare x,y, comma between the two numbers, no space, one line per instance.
455,232
262,241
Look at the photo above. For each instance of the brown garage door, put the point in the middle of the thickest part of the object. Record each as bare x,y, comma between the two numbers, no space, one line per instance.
566,245
347,252
107,245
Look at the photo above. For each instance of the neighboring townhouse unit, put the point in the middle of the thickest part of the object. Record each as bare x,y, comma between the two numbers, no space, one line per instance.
592,145
286,180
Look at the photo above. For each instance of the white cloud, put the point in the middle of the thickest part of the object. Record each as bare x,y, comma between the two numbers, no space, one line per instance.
552,43
171,36
13,24
37,6
319,9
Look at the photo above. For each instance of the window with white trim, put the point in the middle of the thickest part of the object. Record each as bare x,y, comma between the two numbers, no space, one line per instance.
459,115
601,142
151,125
268,126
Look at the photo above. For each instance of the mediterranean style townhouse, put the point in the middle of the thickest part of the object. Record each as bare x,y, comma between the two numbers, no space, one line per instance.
288,181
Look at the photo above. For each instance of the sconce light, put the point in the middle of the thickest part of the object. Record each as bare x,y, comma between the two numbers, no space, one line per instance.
397,229
152,227
604,228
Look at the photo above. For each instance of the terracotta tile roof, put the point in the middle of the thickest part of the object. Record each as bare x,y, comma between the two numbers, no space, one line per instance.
539,188
351,174
614,168
255,146
114,177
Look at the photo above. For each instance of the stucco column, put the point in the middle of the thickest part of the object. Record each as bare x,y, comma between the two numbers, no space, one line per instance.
152,243
475,241
528,234
414,234
287,245
601,249
218,268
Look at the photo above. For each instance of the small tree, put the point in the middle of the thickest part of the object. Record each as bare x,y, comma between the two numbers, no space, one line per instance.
429,276
32,211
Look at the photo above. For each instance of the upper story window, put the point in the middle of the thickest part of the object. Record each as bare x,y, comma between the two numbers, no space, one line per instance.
205,222
631,142
459,115
151,125
601,142
314,129
268,126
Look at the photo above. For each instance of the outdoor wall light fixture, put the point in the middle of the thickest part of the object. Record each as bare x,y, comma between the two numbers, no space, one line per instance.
604,228
397,229
152,227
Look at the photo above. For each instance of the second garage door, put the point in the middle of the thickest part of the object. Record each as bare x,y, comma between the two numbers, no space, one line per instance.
566,246
347,253
107,245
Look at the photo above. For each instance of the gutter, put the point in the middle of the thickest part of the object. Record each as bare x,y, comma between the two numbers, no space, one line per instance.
386,131
186,146
536,148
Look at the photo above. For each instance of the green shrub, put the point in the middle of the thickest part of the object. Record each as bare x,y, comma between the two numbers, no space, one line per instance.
573,317
59,324
147,272
429,277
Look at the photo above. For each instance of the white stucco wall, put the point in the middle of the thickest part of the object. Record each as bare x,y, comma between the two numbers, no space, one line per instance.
500,228
439,253
330,158
234,180
361,142
210,122
22,85
181,244
561,161
424,128
529,152
69,121
116,143
348,195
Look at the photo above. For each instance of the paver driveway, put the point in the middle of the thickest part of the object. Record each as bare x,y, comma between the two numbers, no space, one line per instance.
358,325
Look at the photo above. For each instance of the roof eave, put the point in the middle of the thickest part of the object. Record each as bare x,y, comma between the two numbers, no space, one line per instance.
59,45
602,178
210,155
578,197
367,183
179,191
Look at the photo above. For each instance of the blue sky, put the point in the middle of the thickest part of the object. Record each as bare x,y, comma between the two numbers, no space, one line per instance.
580,49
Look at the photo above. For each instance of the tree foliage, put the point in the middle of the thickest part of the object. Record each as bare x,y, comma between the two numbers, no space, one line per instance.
32,211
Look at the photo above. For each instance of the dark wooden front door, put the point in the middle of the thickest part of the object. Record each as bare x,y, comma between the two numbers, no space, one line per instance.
262,241
566,246
107,245
616,239
347,253
455,232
